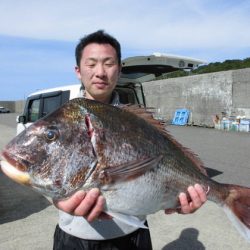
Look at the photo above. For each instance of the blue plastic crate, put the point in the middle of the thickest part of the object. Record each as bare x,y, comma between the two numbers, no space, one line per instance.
181,117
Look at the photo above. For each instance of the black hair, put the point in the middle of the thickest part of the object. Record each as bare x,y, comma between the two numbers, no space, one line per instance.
99,37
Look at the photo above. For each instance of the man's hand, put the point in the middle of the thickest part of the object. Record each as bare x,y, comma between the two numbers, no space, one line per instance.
87,204
198,197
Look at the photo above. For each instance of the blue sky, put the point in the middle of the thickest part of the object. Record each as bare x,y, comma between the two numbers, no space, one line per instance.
37,38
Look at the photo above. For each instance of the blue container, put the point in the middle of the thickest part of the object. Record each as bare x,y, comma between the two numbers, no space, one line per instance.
181,117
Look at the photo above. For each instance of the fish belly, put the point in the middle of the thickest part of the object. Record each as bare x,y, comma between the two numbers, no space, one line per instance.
141,196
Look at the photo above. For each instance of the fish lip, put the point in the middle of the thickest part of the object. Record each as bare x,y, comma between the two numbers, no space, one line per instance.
15,174
16,161
14,169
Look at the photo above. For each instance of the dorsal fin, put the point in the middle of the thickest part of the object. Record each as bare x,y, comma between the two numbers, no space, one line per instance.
147,114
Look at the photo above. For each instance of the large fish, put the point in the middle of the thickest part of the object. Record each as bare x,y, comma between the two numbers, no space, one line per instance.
137,165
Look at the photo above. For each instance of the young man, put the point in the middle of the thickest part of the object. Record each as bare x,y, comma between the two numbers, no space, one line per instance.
81,220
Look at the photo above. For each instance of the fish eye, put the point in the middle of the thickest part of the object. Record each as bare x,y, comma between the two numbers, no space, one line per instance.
51,135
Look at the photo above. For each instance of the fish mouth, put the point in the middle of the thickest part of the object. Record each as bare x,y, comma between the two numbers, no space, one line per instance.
15,169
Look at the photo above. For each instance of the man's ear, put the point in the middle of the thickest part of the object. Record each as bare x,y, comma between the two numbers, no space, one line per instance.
78,73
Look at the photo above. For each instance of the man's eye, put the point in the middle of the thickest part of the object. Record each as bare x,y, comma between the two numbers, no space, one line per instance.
109,64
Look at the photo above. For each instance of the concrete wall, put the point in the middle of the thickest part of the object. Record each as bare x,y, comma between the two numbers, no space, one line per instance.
204,95
241,92
19,106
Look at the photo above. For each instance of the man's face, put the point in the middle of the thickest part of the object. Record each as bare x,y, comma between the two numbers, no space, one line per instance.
99,71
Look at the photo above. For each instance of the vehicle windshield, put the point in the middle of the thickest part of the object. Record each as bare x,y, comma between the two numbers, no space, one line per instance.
133,75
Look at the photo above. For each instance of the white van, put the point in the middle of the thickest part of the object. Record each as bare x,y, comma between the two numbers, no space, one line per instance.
135,70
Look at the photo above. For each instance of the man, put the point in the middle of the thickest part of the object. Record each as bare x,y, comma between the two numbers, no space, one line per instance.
82,224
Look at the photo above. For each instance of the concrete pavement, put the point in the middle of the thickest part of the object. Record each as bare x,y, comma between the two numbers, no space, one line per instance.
27,220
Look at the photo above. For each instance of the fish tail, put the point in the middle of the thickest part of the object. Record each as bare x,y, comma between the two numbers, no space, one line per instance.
237,208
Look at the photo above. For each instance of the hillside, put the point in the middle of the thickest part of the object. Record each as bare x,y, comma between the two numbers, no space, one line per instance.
211,67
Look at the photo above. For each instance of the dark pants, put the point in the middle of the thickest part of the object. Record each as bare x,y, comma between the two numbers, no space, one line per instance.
138,240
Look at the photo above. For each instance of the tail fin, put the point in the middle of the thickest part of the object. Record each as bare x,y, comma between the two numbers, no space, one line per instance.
237,208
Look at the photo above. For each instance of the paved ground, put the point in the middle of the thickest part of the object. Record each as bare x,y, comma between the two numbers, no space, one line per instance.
27,220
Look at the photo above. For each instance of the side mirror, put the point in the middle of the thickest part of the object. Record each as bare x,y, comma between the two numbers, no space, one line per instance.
21,119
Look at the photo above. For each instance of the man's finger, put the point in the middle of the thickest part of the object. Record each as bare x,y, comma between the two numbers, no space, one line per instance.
185,207
196,201
97,209
71,203
87,203
201,192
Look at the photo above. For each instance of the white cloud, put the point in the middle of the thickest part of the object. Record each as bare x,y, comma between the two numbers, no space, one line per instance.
138,24
212,30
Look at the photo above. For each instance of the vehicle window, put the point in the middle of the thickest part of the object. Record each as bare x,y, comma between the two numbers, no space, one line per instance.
43,104
50,104
127,95
33,110
133,75
140,94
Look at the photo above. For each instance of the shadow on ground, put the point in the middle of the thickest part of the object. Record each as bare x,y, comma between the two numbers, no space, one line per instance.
188,240
17,201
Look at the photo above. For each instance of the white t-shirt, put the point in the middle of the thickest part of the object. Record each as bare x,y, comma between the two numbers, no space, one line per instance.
96,230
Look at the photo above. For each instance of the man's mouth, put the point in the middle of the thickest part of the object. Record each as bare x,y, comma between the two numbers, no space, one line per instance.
100,85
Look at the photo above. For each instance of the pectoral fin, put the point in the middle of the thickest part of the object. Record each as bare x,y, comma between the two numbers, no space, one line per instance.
132,169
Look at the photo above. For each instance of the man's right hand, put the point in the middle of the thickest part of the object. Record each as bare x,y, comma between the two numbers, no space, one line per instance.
87,204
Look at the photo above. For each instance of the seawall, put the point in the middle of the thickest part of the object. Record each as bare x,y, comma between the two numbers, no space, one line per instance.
204,95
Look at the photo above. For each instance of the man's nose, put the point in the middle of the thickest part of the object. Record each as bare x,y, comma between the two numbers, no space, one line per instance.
100,70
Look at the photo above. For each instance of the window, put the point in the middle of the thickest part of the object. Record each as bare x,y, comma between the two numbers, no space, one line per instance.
50,104
33,110
43,104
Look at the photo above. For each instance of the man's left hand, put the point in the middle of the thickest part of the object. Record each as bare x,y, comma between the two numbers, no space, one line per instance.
198,197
